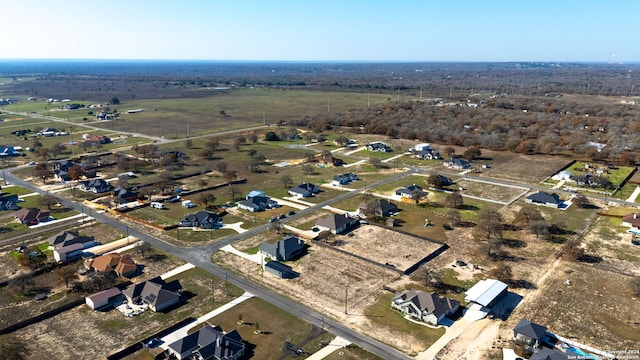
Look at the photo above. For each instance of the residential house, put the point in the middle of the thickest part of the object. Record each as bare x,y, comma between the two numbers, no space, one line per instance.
156,293
66,238
486,292
62,175
380,207
121,264
71,252
103,299
64,165
286,249
9,202
280,270
96,186
31,216
208,343
633,221
427,155
201,219
457,163
344,179
408,191
530,333
563,175
92,139
337,224
427,307
257,201
378,146
329,159
545,199
122,195
304,190
103,115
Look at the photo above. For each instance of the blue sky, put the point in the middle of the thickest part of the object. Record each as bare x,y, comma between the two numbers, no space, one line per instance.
322,30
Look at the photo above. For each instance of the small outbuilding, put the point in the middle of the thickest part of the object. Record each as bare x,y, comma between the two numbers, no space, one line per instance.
103,299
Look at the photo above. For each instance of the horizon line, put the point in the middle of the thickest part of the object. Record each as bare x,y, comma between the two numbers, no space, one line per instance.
321,61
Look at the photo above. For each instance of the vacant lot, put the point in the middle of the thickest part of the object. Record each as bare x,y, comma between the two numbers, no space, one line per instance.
526,169
596,309
326,277
490,191
386,246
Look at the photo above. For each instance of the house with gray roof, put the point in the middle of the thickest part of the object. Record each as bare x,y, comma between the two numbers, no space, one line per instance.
378,146
554,354
380,207
545,199
156,293
337,224
427,307
96,186
344,179
529,332
304,190
286,249
201,219
407,191
457,163
209,343
66,238
9,202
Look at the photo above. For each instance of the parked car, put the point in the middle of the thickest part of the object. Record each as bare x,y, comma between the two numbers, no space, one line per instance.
291,212
174,199
282,216
273,219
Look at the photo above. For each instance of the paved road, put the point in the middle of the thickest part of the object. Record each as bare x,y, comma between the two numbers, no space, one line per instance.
201,257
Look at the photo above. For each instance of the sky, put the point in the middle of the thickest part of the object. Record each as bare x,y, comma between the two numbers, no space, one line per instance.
322,30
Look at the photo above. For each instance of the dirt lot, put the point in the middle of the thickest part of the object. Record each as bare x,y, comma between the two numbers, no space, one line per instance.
325,276
373,243
596,309
525,169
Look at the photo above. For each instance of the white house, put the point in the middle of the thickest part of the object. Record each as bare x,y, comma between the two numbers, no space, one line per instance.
427,307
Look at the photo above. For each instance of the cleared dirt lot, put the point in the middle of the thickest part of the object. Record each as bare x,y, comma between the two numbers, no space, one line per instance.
327,275
386,246
523,168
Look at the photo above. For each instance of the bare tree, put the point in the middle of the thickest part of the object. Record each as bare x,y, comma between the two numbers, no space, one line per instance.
48,201
66,274
286,181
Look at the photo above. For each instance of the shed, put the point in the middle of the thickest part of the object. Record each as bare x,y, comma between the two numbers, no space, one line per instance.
486,292
280,270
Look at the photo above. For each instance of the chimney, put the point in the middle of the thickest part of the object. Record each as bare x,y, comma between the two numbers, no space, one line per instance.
635,216
346,215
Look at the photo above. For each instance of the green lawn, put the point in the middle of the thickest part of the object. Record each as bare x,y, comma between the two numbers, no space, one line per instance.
276,325
386,318
615,175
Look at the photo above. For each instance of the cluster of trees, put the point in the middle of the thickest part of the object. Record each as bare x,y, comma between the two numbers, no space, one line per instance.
519,124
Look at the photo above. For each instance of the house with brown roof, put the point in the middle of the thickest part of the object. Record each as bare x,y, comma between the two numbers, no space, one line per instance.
123,265
92,139
329,159
633,221
31,216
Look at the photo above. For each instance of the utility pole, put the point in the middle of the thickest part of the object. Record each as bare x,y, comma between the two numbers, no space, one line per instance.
346,296
187,128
